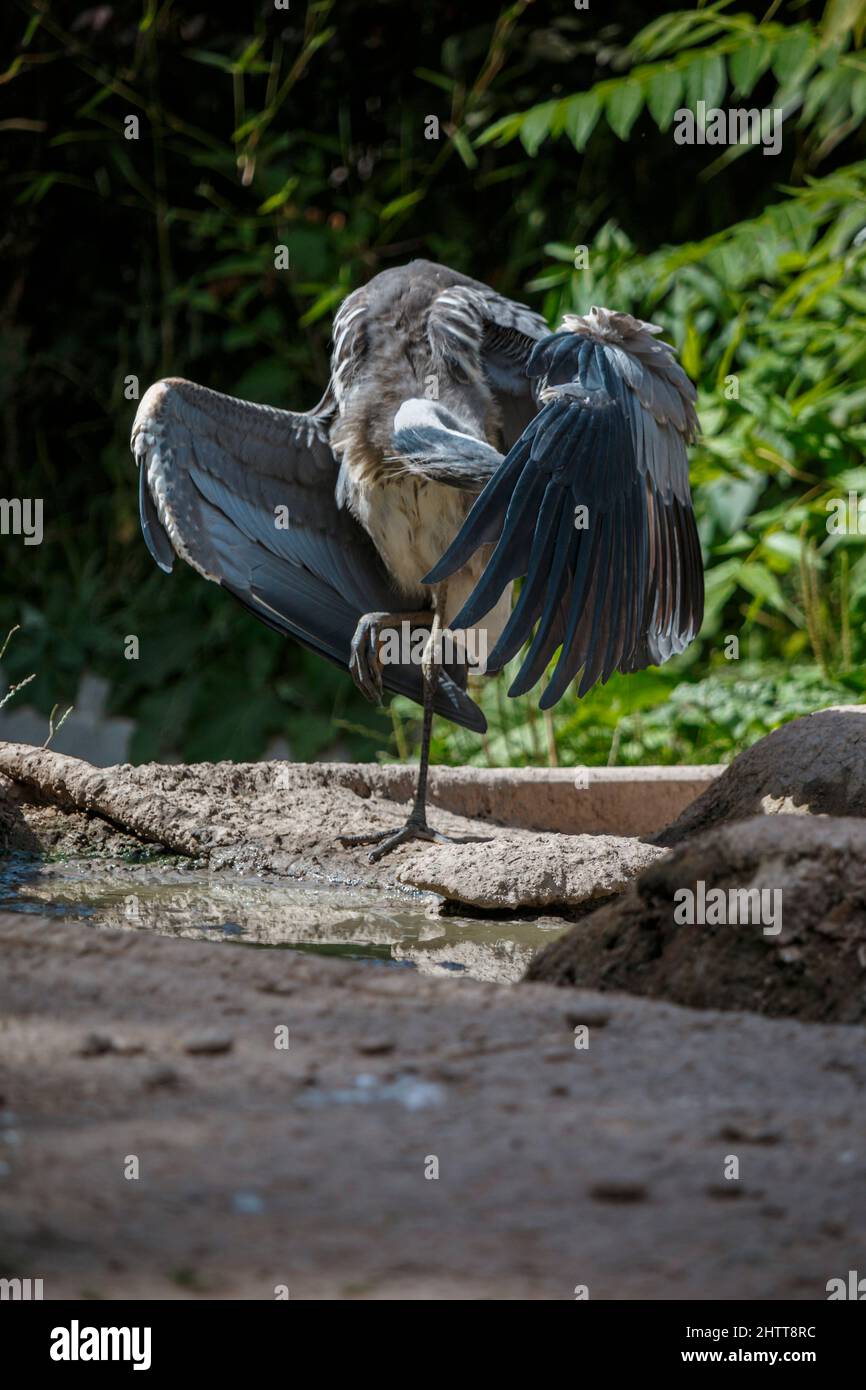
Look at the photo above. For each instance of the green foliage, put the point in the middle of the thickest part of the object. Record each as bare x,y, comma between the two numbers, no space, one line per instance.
727,710
688,56
306,129
650,717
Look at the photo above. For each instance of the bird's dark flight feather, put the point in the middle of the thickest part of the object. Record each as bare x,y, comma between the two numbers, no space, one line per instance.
627,591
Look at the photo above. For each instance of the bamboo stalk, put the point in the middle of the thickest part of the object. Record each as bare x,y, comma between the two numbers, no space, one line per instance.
550,731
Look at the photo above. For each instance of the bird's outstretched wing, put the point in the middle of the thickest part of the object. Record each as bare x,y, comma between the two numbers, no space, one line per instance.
592,507
245,495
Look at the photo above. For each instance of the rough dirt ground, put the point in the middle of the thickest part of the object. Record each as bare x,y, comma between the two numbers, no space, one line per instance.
262,1167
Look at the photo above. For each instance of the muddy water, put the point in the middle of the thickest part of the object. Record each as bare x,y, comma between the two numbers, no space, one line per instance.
398,931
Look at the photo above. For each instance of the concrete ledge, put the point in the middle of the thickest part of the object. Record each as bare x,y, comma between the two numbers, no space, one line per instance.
568,800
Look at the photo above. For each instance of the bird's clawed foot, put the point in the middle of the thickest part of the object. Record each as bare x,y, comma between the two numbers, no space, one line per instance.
365,662
386,840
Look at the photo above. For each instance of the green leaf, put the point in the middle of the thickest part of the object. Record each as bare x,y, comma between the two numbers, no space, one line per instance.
762,583
747,64
148,17
674,32
437,78
858,97
210,60
581,116
279,198
502,131
397,205
841,17
623,106
464,149
244,62
783,544
536,126
691,351
706,80
720,582
325,302
818,94
560,251
791,54
664,91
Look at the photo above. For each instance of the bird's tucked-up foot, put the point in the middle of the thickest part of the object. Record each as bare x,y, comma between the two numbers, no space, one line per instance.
365,662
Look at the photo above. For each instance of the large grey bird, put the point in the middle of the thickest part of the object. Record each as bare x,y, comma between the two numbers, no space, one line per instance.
460,445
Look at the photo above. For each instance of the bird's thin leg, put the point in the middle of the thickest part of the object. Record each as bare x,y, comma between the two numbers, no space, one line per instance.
416,827
431,676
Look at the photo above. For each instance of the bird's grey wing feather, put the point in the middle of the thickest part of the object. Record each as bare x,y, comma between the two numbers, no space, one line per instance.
611,437
468,322
246,495
155,537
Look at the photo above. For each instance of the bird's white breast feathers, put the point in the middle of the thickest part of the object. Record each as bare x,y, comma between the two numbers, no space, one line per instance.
412,522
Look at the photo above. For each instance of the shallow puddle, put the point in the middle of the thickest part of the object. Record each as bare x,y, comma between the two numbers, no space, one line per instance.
360,924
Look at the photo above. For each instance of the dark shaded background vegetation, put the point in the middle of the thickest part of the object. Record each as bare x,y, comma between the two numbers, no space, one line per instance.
307,128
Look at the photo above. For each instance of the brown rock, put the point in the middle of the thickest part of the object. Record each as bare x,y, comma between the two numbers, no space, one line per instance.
541,871
98,1044
635,944
207,1044
619,1190
813,766
375,1047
